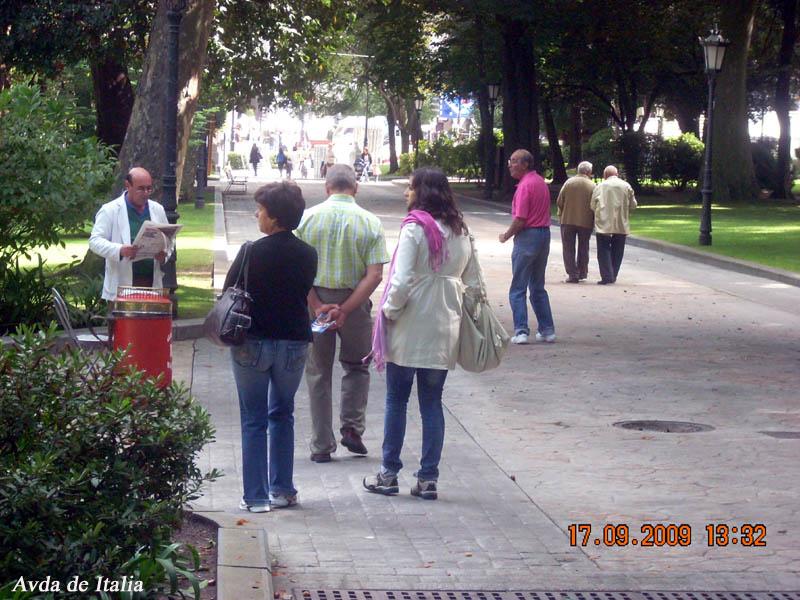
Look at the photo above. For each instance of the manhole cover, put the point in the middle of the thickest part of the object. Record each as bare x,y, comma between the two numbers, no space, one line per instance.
783,435
664,426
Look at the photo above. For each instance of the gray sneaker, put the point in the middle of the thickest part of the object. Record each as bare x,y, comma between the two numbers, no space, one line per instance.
425,490
282,501
381,484
253,508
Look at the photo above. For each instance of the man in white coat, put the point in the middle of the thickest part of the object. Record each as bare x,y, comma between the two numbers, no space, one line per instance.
116,225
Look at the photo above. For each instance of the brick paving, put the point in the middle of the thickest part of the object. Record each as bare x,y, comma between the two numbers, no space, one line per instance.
530,447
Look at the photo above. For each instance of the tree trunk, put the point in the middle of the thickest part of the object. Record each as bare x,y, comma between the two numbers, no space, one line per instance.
733,178
688,120
783,101
631,153
390,120
113,96
144,140
556,156
520,110
576,135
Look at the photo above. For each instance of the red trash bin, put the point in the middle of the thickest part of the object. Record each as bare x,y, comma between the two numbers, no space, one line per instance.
143,324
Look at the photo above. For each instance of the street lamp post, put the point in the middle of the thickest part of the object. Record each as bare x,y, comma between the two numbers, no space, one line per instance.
169,200
419,101
714,53
493,91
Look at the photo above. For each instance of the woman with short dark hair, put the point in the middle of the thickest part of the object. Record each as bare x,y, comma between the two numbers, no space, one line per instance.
417,329
268,367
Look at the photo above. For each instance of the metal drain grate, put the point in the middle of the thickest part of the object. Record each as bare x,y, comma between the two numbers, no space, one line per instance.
783,435
664,426
534,595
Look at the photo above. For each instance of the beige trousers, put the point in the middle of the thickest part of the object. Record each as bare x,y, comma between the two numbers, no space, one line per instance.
355,343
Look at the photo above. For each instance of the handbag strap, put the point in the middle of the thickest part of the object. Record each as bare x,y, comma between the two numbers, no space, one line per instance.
243,267
484,294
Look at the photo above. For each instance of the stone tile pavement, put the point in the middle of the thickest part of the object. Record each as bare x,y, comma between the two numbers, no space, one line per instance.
531,448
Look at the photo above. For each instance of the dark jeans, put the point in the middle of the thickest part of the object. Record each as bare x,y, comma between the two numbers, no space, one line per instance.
577,267
267,374
528,265
610,250
430,383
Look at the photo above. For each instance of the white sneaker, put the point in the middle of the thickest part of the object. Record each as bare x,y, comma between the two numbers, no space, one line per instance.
257,508
549,338
520,338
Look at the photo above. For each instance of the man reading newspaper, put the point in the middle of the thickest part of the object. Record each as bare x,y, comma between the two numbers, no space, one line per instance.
120,221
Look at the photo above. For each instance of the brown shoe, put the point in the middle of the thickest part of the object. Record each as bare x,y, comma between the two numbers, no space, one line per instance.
571,280
321,457
352,441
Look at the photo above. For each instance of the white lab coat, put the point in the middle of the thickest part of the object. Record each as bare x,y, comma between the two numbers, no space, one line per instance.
111,231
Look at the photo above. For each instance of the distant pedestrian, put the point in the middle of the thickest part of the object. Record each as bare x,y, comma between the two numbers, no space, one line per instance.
417,328
577,219
530,229
288,165
612,201
280,160
352,251
255,158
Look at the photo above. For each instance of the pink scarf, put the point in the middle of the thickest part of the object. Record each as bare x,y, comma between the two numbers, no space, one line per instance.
438,255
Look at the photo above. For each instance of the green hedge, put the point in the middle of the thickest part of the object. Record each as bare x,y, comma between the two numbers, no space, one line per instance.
96,462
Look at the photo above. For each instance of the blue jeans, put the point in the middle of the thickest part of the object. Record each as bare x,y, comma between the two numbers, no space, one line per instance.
430,383
267,374
528,264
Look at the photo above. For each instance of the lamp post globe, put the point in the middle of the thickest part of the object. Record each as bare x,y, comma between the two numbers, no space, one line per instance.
714,46
492,92
419,102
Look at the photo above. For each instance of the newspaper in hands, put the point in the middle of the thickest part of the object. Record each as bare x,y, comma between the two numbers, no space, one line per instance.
154,238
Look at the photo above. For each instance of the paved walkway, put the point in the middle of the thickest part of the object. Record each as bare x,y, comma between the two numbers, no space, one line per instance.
531,448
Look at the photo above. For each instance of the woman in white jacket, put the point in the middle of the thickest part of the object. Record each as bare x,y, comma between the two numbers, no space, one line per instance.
417,329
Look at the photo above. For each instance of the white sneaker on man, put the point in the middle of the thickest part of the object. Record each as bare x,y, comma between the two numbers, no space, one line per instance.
549,338
520,338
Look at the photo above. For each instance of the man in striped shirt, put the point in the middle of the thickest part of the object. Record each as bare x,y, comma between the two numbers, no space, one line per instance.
352,251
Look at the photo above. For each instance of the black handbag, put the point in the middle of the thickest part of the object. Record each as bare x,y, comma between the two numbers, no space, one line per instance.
228,321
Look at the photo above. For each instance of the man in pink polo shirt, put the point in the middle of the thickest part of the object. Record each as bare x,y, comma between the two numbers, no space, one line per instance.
530,229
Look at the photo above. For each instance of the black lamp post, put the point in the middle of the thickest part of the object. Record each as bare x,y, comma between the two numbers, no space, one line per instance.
419,101
714,53
493,91
201,174
169,199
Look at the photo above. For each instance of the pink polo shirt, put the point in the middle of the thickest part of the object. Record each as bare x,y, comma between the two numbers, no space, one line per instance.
532,201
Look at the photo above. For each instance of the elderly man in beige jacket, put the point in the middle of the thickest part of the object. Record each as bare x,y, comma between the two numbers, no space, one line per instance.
576,218
612,201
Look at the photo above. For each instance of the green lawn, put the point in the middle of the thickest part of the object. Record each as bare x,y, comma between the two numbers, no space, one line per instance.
769,235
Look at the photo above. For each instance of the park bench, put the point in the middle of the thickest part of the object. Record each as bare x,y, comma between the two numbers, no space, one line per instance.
237,184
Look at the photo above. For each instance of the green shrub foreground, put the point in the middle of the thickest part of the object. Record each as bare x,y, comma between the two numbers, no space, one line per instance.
96,464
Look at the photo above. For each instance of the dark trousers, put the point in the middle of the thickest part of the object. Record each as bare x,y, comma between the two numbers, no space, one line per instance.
610,249
577,267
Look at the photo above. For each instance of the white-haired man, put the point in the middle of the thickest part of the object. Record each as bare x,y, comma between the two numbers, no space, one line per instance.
577,219
612,201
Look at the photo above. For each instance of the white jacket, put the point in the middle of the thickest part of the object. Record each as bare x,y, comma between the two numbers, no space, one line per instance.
423,308
111,231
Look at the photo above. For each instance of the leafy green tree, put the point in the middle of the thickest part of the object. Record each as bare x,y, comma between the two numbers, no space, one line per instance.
41,38
50,179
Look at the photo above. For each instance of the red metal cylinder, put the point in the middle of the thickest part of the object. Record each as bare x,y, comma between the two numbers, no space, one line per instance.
143,326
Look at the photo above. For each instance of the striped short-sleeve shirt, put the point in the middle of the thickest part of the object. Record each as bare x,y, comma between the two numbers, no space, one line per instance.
346,237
